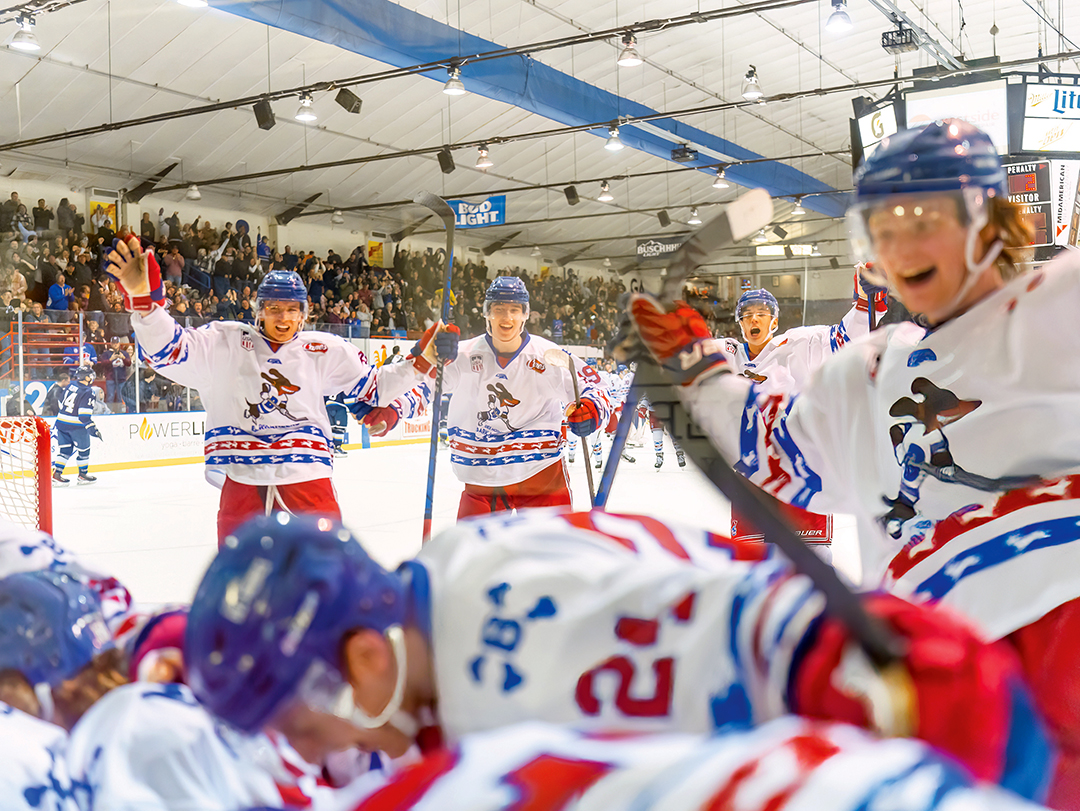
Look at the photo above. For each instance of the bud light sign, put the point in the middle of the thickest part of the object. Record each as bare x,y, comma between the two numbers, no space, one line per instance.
480,215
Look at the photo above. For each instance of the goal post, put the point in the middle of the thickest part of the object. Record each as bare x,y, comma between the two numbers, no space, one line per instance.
25,472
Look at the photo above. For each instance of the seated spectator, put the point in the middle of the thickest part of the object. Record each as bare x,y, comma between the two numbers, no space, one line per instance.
245,313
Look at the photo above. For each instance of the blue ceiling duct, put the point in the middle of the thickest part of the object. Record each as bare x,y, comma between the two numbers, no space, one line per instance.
397,36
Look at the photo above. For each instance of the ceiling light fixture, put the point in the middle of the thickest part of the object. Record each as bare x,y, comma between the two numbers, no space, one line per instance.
337,218
759,238
798,211
605,192
607,262
613,142
720,182
304,112
751,88
454,86
24,39
839,21
814,251
484,161
629,58
193,193
535,251
694,218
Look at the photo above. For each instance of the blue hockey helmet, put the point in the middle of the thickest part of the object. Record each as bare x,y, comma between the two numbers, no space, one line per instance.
274,607
508,290
281,285
85,374
949,158
760,296
51,626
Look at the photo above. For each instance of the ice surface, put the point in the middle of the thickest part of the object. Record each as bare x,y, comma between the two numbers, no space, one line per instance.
154,528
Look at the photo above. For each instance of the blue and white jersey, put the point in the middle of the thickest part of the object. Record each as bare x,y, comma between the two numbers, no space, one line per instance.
266,422
505,417
787,362
34,775
76,406
153,747
608,622
792,764
958,450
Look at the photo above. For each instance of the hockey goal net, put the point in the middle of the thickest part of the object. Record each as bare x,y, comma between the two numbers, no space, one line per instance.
25,472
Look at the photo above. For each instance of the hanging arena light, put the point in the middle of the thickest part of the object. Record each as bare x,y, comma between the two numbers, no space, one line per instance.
605,192
304,112
484,161
613,143
629,58
454,85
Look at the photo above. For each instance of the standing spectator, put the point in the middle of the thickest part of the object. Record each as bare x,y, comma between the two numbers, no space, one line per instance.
60,294
162,225
79,221
23,223
118,361
148,390
173,265
106,235
7,212
50,406
264,252
65,216
289,258
174,226
43,215
146,227
97,218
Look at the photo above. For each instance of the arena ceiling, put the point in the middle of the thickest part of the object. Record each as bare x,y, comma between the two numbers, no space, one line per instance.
543,107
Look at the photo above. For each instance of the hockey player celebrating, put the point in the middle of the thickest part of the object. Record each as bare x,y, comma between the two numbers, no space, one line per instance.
268,440
954,445
506,412
604,621
74,426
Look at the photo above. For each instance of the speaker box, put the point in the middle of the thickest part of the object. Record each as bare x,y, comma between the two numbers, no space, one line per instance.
446,162
348,100
835,265
665,220
264,114
571,195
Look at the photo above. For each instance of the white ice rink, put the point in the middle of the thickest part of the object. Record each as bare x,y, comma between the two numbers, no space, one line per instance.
154,528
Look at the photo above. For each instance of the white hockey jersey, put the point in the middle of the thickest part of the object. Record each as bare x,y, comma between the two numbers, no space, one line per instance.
790,763
34,773
607,621
152,747
958,449
265,418
505,421
788,360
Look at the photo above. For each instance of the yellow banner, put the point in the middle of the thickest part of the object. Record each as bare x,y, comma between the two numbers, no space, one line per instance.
375,254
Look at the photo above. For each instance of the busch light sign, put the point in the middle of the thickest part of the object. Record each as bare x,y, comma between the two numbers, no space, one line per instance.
480,215
657,248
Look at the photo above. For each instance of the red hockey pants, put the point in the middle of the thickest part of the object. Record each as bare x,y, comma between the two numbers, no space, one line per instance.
548,488
239,502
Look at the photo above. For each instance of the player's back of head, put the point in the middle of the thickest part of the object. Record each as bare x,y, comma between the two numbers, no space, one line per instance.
272,610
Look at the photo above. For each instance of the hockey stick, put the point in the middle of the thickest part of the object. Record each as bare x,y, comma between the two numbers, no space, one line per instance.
742,217
563,359
618,444
441,208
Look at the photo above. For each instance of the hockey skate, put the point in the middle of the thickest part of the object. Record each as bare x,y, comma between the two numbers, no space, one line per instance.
628,457
339,451
598,464
659,461
86,478
58,479
681,457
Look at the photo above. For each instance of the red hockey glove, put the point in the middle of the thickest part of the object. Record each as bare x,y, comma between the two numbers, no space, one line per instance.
678,340
380,420
438,344
137,274
866,291
959,693
583,417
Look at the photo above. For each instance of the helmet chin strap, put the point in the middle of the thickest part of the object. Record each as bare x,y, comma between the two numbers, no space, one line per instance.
346,705
974,270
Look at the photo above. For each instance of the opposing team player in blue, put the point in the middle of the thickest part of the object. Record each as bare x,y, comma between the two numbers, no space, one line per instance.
609,622
74,426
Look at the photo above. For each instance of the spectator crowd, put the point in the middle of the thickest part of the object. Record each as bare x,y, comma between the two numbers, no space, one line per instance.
52,268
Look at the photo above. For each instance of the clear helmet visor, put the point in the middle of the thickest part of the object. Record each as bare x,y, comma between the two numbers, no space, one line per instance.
488,305
879,225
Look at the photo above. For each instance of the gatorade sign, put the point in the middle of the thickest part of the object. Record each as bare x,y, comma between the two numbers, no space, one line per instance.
480,215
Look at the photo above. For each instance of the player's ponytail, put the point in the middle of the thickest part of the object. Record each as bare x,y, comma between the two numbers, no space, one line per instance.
1016,231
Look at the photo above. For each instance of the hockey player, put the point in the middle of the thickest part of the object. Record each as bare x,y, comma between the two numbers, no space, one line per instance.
608,622
789,763
338,414
506,413
268,438
955,445
74,426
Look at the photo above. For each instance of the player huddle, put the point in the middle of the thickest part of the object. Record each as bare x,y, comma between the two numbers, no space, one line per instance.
544,659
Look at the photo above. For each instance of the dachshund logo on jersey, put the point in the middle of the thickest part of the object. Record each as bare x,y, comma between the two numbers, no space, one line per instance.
926,452
274,396
499,403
